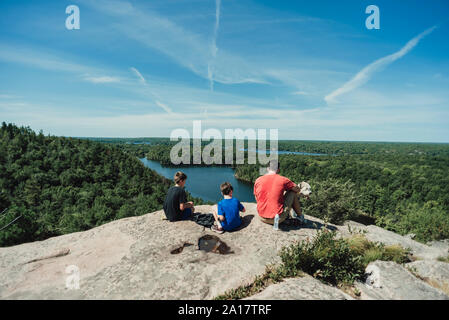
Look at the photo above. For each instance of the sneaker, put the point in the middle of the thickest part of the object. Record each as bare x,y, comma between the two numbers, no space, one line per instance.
300,218
216,229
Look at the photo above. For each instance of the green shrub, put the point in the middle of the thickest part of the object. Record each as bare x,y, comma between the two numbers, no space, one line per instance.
327,258
332,201
335,260
372,251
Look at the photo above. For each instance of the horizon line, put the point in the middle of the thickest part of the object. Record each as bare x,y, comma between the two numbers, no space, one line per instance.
308,140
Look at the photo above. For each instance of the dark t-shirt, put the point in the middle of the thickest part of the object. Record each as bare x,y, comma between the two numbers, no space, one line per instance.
175,196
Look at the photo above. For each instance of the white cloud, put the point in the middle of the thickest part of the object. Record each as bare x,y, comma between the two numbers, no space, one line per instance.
312,81
318,123
7,96
188,49
306,124
39,59
300,93
405,99
365,74
101,79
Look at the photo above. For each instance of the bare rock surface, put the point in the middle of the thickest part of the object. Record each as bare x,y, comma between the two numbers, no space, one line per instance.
442,245
147,257
131,259
435,273
303,288
390,281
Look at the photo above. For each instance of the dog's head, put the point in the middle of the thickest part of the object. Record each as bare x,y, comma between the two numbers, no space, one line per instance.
306,190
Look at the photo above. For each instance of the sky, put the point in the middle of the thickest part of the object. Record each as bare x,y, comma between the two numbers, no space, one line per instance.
311,69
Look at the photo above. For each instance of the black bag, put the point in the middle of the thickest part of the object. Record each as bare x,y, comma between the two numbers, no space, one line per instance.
204,219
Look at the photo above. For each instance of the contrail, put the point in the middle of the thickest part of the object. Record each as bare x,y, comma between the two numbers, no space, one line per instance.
163,106
155,96
217,25
365,74
214,49
139,75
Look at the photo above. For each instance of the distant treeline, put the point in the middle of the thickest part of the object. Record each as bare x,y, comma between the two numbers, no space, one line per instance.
372,148
51,185
159,148
147,146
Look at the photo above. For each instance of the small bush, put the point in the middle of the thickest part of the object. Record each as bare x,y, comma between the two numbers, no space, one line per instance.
338,261
327,258
372,251
332,201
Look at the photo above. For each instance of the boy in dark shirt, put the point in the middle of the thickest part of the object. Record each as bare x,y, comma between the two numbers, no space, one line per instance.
176,206
227,216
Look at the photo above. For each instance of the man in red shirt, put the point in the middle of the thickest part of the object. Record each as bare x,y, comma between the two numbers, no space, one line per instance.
276,194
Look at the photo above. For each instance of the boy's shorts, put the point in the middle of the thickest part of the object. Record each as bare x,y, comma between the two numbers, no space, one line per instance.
289,197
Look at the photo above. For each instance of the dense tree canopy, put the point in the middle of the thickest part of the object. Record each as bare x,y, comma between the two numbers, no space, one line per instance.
55,185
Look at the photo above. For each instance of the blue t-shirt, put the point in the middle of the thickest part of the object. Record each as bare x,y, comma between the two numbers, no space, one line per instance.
230,208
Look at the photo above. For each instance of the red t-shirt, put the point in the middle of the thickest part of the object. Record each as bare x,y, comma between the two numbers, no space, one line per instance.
269,192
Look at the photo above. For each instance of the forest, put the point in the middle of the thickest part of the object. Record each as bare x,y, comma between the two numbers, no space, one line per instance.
51,186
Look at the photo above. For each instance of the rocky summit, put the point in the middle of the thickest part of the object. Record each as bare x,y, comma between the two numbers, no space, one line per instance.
147,257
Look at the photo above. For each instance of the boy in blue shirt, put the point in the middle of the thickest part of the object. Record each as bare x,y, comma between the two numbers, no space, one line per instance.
227,216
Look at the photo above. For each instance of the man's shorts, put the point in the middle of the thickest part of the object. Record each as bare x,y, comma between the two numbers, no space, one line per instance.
289,198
